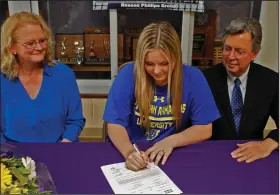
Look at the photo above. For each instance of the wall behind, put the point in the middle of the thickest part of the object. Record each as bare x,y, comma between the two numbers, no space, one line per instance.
3,11
269,54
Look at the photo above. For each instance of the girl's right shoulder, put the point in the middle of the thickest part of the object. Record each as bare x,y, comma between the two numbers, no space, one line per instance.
129,66
125,75
126,70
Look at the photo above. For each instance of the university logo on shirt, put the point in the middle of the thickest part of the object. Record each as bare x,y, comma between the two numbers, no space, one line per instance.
161,118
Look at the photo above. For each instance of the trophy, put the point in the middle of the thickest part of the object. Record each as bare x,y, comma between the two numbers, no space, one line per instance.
98,47
92,53
79,48
63,47
106,45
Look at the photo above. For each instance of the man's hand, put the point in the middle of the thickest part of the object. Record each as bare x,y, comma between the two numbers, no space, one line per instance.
254,150
160,150
65,140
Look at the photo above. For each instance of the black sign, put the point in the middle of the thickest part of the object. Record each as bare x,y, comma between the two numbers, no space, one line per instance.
196,6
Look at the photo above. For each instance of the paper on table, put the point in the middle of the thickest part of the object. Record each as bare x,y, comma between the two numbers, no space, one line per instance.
151,180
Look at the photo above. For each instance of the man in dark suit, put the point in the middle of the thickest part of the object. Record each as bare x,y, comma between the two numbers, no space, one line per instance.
246,93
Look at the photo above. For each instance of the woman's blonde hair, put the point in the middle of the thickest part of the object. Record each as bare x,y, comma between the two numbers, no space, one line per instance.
162,36
9,64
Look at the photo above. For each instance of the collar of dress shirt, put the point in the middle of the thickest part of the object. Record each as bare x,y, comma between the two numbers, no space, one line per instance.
243,78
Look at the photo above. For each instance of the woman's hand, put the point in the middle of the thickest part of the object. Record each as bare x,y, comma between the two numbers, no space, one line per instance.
136,161
160,150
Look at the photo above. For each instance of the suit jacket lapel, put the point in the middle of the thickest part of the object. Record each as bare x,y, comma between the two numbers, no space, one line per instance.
250,97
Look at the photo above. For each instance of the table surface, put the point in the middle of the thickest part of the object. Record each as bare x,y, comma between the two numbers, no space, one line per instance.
203,168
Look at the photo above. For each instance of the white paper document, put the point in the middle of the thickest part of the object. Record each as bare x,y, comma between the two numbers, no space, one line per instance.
151,180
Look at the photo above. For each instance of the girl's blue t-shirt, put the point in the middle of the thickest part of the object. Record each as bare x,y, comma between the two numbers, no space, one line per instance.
198,105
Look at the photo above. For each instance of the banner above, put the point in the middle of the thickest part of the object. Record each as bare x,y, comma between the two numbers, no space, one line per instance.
174,5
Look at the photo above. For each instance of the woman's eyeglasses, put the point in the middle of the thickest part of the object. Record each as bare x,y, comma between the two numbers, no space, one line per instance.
31,45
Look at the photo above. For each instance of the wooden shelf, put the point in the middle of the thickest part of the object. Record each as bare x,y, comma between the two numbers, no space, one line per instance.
202,58
92,95
91,68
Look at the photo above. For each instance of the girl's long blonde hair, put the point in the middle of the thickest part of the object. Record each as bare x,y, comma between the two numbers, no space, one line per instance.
160,35
9,64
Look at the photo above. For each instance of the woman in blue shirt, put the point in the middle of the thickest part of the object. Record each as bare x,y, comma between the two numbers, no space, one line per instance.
153,98
40,100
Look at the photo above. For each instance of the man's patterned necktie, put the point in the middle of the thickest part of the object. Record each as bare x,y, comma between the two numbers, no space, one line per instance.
237,103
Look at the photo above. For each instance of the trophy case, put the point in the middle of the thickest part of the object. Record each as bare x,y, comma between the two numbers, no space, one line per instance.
204,38
74,51
70,48
72,17
130,41
89,51
132,28
97,46
203,54
218,47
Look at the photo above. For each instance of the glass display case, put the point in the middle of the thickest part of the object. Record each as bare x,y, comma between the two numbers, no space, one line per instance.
130,25
81,37
229,10
225,12
94,40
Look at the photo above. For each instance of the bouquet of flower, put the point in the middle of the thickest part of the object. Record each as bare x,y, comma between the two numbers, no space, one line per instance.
21,175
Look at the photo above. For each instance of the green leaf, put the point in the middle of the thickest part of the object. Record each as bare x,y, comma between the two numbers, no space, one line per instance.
46,192
34,185
24,171
22,178
4,160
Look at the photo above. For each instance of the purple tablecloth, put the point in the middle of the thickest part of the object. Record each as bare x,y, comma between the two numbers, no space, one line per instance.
204,168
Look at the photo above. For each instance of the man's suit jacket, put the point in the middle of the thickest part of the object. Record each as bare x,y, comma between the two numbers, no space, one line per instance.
261,101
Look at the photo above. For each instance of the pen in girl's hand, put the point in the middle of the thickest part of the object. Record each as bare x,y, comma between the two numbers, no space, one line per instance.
138,151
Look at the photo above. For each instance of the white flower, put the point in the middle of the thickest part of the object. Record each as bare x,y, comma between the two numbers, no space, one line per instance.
29,165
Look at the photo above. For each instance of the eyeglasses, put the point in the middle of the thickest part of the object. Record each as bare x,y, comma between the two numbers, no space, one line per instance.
31,45
237,52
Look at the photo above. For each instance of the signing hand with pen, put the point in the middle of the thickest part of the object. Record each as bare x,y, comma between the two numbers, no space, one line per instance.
136,160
